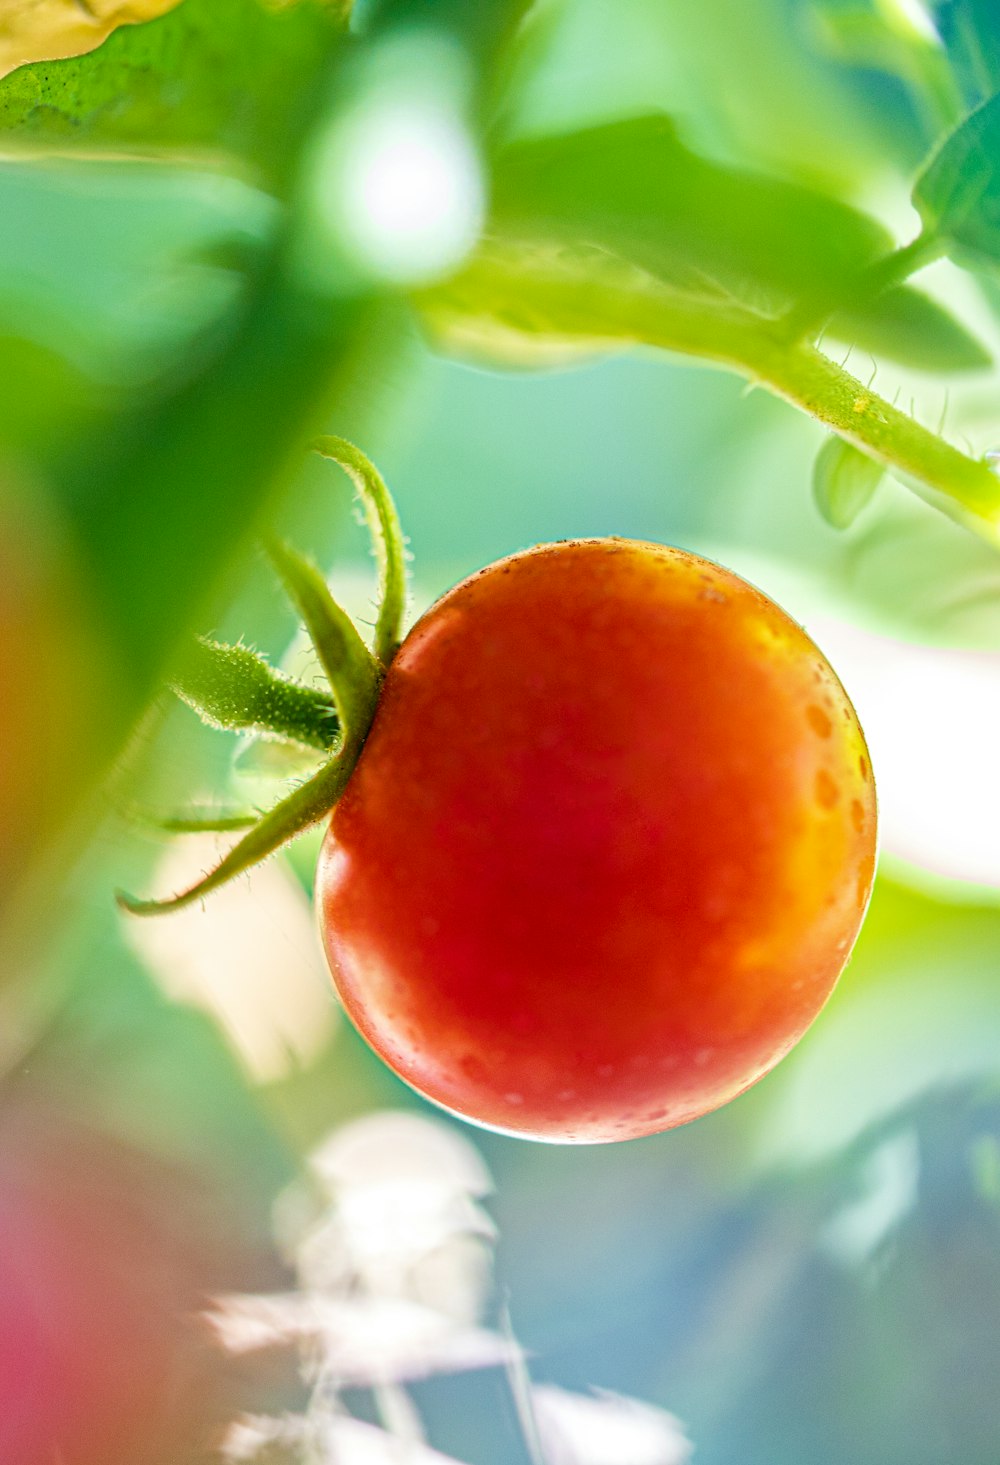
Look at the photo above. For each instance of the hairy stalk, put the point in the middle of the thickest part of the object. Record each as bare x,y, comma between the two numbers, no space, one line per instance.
353,673
757,347
387,540
963,487
310,802
234,688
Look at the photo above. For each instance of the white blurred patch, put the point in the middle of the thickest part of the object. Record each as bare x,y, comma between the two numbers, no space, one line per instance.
398,1216
890,1186
394,1256
911,19
408,203
352,1442
336,1440
605,1429
932,721
397,184
360,1342
249,956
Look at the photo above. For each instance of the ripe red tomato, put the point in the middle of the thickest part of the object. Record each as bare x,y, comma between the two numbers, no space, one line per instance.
606,849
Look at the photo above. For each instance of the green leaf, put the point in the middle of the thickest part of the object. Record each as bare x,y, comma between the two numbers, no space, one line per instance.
970,30
535,306
844,482
641,225
351,669
229,75
958,193
907,326
632,188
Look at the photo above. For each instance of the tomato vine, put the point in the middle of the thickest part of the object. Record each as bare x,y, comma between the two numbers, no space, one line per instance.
235,689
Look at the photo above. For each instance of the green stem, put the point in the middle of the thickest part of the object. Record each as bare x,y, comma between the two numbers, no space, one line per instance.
354,675
232,687
893,269
387,539
310,802
965,488
192,823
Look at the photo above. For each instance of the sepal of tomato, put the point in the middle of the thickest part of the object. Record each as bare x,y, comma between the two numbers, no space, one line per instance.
606,849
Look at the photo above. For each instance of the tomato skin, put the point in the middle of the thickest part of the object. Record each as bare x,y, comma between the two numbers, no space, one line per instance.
606,849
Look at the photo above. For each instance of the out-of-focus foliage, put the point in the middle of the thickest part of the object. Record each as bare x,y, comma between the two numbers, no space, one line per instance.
591,232
810,1275
844,481
958,194
229,76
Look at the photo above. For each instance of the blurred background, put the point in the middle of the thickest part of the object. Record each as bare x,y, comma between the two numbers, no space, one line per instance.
216,242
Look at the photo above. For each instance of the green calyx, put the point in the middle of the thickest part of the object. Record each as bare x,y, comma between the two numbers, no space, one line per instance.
234,688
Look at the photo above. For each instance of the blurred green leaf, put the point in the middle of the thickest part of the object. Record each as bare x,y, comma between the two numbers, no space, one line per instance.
45,402
861,37
900,43
596,236
907,326
227,75
159,501
970,30
522,304
634,189
844,481
958,193
535,305
116,266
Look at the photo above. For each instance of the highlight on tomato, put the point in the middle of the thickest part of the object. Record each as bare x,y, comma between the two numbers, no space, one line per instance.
601,834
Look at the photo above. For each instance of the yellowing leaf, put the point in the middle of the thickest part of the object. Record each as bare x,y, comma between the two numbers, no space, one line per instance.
45,30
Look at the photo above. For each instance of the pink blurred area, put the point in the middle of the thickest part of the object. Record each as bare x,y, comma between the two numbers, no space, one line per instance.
107,1263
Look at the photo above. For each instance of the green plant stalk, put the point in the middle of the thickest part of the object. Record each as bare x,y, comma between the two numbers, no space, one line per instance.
386,536
963,487
307,805
232,687
355,678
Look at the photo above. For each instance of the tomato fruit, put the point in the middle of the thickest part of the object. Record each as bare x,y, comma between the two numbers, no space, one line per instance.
607,846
